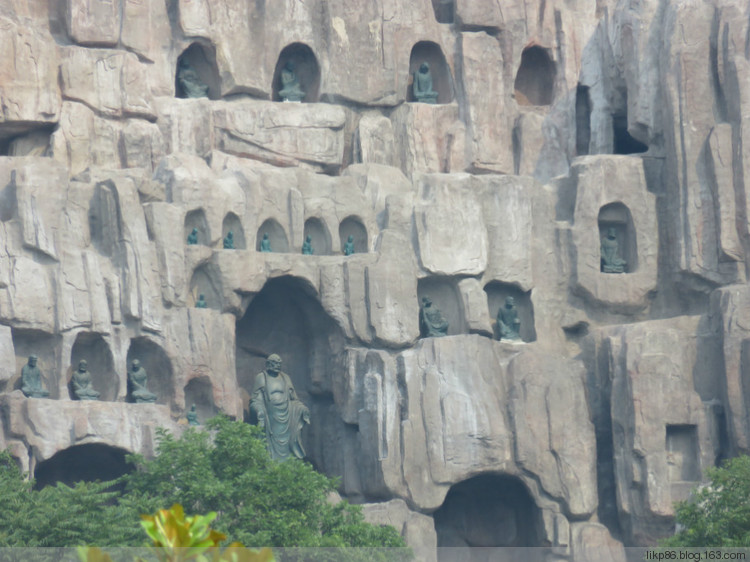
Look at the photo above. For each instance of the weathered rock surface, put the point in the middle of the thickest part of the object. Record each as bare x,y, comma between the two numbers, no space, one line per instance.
555,122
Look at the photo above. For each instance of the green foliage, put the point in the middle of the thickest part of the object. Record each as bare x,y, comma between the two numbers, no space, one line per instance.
60,515
718,514
258,501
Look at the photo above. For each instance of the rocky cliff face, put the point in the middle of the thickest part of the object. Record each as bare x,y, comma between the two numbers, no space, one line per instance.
555,123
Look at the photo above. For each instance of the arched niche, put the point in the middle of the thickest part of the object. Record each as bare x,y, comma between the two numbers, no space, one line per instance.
535,79
104,218
444,10
82,463
206,281
202,61
617,216
158,368
197,219
276,234
497,292
200,392
583,120
286,318
41,344
442,80
319,235
489,510
305,67
232,223
96,352
352,226
443,293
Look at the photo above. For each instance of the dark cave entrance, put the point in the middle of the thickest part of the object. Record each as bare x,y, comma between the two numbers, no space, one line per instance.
489,510
82,463
535,79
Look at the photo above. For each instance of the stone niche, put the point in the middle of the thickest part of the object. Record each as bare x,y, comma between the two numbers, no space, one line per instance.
197,219
305,67
276,234
444,295
35,142
497,292
442,80
104,219
206,281
286,318
583,120
41,344
319,235
611,190
82,463
232,223
202,59
617,216
489,510
535,79
622,141
199,391
683,459
96,352
158,367
353,226
445,10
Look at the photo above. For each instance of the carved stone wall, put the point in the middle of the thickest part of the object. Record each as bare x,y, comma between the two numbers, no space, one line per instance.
555,120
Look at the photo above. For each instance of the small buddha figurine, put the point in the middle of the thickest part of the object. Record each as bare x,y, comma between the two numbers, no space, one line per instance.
265,244
422,87
190,83
307,248
508,323
31,380
290,87
192,238
81,382
349,246
192,416
201,302
229,241
138,381
611,262
431,321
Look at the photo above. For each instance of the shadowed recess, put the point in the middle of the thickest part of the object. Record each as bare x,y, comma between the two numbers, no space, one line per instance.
158,367
320,237
488,510
535,79
442,79
286,318
96,352
202,59
306,69
82,463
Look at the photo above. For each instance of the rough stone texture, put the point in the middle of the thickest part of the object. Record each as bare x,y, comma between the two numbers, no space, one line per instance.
592,542
600,181
416,528
34,98
46,427
300,135
451,233
729,307
651,367
625,386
